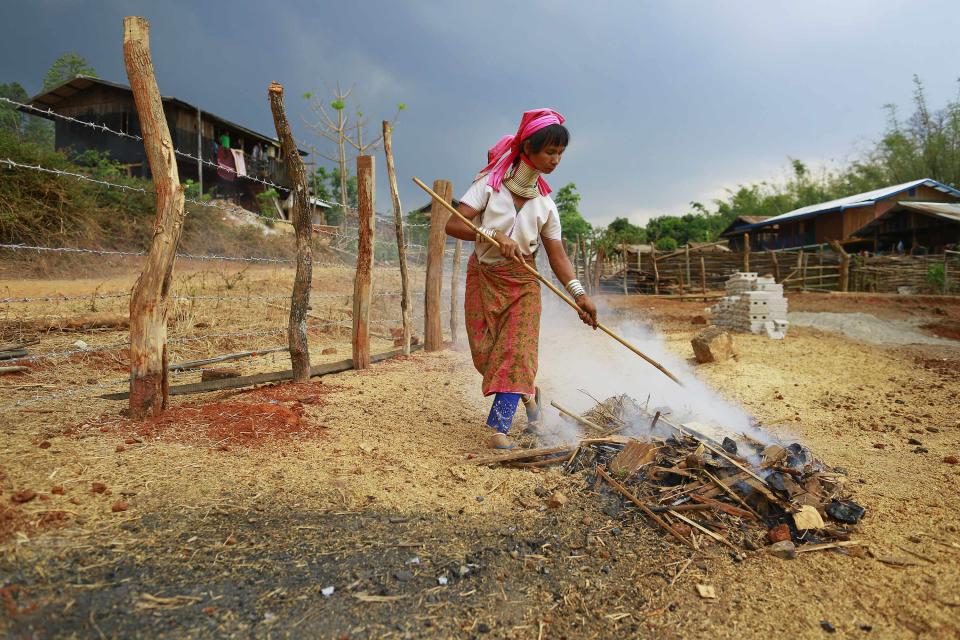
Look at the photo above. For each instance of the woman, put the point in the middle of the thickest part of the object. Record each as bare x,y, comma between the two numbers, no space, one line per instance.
509,202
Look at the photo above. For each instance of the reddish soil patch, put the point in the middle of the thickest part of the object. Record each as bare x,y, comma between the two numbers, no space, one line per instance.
946,329
13,519
253,419
10,598
305,393
946,367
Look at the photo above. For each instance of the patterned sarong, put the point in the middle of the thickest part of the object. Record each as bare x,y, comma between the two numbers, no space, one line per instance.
502,313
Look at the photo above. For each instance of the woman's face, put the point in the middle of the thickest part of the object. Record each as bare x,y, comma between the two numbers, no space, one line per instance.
547,159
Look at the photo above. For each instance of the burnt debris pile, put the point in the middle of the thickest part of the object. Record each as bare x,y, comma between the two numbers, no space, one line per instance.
737,492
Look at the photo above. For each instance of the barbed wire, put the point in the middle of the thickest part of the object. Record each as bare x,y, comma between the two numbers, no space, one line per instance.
233,209
216,165
239,298
110,252
131,136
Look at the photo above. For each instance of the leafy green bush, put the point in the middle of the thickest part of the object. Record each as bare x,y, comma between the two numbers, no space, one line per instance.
937,277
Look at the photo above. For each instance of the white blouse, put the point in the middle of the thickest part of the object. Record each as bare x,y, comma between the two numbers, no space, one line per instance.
537,217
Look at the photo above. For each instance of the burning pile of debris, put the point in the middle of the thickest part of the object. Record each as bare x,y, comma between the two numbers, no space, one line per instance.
739,493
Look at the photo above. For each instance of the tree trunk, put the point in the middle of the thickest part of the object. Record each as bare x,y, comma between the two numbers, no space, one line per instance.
300,298
149,384
366,210
401,243
432,331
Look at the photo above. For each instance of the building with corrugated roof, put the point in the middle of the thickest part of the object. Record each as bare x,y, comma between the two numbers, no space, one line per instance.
844,218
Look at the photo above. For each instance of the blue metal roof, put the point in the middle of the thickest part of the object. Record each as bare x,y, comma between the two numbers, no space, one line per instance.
851,202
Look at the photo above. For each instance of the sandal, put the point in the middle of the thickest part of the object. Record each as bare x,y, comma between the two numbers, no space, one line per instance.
499,441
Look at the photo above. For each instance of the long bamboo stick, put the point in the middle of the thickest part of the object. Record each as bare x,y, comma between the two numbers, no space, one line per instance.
550,285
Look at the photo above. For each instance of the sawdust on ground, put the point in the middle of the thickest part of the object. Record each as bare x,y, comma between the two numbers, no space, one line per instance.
394,438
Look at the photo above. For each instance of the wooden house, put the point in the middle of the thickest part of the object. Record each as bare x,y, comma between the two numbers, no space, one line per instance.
843,219
194,131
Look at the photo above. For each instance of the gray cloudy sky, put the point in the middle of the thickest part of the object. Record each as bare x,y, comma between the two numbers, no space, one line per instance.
667,102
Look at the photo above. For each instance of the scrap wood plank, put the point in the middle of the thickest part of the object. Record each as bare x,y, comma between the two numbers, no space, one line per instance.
263,378
523,454
634,455
5,370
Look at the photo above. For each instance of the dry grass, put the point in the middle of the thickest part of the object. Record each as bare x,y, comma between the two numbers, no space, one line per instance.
391,440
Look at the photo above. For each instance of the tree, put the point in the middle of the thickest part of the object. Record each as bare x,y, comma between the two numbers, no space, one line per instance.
342,131
327,185
572,224
23,127
11,120
67,67
620,231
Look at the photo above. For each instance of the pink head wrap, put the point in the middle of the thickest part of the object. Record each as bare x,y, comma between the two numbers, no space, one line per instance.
501,156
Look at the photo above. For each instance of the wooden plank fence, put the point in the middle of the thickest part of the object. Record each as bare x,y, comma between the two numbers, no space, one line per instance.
689,271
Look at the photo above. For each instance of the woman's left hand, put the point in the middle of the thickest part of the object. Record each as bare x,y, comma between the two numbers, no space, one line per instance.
588,311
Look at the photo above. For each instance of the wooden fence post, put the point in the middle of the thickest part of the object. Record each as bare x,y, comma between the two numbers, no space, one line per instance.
455,292
626,266
776,265
844,264
149,382
656,273
366,210
401,243
302,227
746,252
432,331
703,276
687,259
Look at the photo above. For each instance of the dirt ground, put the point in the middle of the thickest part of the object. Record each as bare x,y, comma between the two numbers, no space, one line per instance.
234,515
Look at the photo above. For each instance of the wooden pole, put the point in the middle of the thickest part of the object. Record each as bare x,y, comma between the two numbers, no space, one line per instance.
680,274
432,331
820,264
844,265
587,281
401,243
776,265
303,229
366,210
687,258
806,260
799,267
200,152
656,273
149,301
746,252
455,292
626,266
703,276
446,204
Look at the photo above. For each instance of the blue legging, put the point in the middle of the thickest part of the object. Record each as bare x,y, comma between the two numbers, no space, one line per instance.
501,413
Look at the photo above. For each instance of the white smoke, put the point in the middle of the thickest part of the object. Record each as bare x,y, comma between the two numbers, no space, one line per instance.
573,357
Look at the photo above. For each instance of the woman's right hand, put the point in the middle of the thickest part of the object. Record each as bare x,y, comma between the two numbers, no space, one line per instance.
508,246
